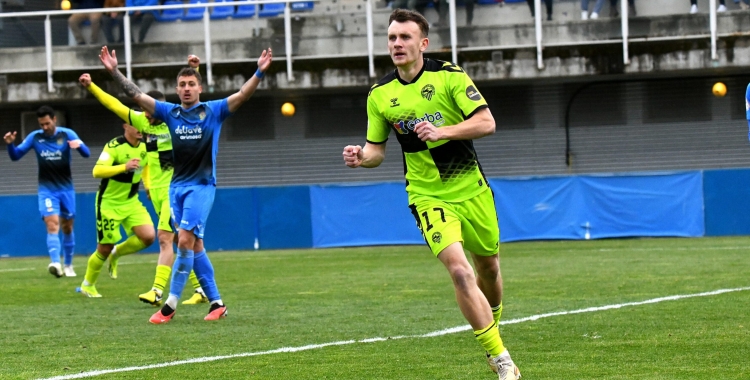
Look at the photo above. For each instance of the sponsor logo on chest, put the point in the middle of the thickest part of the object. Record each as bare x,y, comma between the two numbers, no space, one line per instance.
189,133
51,155
404,127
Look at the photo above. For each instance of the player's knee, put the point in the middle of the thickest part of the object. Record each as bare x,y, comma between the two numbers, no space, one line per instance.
147,237
165,240
488,272
53,224
67,226
462,277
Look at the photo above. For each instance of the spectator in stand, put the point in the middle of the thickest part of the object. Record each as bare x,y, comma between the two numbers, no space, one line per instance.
442,8
549,8
112,19
75,20
595,13
614,8
146,18
722,6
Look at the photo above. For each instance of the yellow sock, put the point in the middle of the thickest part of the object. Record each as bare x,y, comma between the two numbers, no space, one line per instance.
162,276
497,311
96,261
489,338
129,246
194,280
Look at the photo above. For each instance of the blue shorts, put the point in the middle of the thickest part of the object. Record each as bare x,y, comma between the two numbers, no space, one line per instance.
62,202
191,206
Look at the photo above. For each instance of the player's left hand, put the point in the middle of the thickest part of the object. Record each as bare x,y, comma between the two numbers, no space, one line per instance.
264,62
75,144
427,132
194,61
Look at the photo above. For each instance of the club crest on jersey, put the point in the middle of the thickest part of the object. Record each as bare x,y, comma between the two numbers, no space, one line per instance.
394,102
59,141
143,155
428,91
202,115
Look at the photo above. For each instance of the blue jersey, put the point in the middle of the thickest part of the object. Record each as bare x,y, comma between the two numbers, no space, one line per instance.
53,156
195,139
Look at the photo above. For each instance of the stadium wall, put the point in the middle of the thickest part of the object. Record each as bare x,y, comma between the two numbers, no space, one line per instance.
687,204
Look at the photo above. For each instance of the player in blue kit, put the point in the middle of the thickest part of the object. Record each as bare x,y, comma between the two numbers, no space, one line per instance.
57,198
194,127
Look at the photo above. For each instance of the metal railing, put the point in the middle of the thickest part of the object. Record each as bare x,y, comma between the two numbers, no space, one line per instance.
208,59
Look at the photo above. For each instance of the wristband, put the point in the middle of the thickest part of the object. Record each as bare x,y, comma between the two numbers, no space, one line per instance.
259,74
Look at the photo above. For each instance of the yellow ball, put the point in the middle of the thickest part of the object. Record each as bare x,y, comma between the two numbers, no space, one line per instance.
287,109
719,89
65,5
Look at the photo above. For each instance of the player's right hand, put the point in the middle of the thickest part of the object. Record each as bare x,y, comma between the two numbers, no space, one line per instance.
133,164
109,60
85,80
353,156
10,137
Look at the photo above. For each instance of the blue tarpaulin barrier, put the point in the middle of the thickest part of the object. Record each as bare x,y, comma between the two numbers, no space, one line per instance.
594,207
375,214
530,208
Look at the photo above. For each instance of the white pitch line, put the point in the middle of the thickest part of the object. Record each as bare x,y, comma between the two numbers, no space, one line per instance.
378,339
16,269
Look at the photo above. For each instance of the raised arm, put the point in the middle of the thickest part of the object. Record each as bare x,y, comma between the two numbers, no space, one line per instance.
109,60
107,100
246,91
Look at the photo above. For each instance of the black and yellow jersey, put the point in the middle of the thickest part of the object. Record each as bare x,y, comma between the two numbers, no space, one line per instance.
443,94
121,188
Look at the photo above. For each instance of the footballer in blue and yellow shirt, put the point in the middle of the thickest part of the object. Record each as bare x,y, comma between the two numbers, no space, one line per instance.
52,145
195,143
57,198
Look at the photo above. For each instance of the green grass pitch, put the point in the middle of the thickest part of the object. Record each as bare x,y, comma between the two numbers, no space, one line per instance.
295,300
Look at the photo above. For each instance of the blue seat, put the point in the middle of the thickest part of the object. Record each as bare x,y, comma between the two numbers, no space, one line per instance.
273,9
302,6
222,12
247,10
171,14
195,13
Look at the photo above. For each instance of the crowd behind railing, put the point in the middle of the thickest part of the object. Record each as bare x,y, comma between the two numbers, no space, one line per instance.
116,17
112,22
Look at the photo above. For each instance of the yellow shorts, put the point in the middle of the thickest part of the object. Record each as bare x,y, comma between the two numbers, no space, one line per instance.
472,222
160,200
109,218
